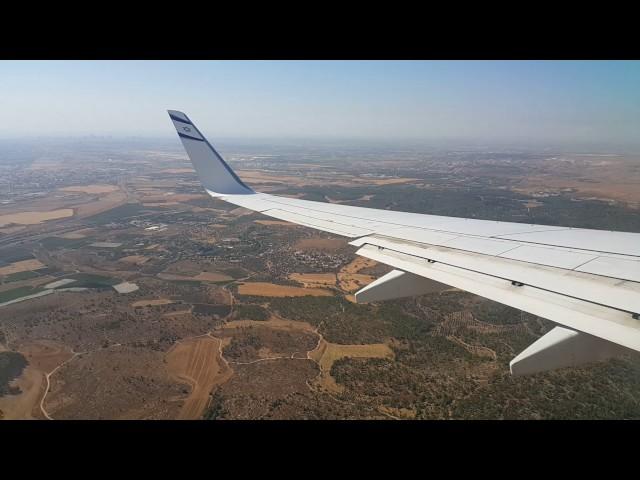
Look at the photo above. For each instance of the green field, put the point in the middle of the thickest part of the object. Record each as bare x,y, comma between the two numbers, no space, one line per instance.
16,277
250,312
89,280
53,271
57,242
116,214
14,254
19,292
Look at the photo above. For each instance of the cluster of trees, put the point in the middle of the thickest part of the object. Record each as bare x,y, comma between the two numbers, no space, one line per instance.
248,311
341,321
607,390
216,407
11,366
243,347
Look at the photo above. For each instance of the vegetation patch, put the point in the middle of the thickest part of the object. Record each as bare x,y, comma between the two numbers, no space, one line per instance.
250,312
14,254
216,409
19,292
235,272
117,214
273,290
11,366
215,310
16,277
52,271
90,280
22,266
51,243
599,391
343,322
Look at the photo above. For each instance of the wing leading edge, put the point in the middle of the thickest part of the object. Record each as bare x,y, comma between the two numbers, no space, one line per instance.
585,280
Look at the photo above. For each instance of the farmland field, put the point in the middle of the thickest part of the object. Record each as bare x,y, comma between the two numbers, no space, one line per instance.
32,218
264,289
197,362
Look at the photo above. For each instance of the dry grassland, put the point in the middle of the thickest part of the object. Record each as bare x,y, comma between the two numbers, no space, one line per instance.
33,218
601,177
22,266
43,357
264,289
314,279
212,277
134,259
102,204
349,280
327,353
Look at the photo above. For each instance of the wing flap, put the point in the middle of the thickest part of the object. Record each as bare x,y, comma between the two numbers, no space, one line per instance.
611,292
623,243
613,267
550,257
604,322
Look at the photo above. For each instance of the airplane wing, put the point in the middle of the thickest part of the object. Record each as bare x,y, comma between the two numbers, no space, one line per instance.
587,281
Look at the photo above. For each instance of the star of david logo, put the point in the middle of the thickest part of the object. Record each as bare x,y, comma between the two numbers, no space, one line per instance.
186,129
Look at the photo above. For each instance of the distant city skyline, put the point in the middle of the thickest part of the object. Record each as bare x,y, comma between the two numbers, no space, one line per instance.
511,102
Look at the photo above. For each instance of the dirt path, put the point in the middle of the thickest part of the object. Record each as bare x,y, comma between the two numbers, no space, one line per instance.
48,384
50,374
289,357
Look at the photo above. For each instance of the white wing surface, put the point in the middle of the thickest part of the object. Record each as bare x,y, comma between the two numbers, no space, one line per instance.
588,281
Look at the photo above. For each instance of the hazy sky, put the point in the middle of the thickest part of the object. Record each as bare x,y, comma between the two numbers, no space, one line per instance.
534,101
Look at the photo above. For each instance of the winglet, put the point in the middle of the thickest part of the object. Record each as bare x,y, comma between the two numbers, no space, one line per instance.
216,176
